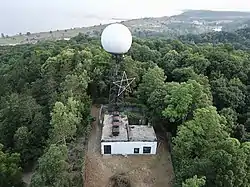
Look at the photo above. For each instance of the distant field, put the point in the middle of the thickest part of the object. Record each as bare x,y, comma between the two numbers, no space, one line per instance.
135,25
52,35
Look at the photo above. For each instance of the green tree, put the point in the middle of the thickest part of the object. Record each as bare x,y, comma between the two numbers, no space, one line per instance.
228,93
230,65
228,164
17,111
194,182
169,62
133,69
152,80
246,149
183,99
199,135
231,117
155,102
52,168
22,139
76,84
143,53
183,74
64,120
10,170
209,151
54,71
198,62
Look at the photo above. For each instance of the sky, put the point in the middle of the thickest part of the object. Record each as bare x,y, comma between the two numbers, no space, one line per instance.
44,15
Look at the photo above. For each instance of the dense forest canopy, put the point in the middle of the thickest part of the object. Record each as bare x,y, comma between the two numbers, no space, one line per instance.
240,39
198,92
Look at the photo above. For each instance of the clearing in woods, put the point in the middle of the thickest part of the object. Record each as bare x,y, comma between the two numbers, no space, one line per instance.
143,171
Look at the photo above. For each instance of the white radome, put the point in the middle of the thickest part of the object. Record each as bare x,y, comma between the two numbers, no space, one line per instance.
116,39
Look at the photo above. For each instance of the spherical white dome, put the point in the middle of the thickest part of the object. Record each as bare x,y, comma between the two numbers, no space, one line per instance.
116,38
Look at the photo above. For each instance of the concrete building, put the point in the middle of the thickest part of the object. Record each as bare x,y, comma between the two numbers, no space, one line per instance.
120,138
217,29
67,39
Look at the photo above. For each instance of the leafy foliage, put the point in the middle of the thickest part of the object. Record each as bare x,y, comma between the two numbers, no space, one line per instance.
53,168
10,171
183,99
194,182
199,92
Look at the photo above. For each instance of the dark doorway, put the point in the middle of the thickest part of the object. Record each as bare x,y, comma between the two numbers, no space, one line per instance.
107,149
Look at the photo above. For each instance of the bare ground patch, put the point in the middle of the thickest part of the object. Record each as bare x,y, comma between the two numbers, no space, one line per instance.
142,171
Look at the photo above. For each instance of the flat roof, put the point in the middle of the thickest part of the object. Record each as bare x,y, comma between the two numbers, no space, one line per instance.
142,133
107,130
132,133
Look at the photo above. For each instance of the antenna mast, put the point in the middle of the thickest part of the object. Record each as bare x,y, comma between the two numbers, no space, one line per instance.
117,39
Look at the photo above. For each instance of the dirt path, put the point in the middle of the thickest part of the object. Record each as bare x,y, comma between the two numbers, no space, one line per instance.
27,177
94,139
143,171
91,157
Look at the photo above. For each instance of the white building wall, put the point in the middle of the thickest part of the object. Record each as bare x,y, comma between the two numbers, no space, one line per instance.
127,148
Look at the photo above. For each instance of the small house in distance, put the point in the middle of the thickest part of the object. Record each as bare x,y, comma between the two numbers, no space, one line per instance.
120,138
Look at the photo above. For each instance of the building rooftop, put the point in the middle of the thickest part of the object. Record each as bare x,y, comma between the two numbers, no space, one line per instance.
107,130
127,132
141,133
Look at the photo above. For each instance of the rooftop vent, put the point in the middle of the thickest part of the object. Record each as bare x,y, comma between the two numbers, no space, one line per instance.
116,118
116,123
115,130
116,113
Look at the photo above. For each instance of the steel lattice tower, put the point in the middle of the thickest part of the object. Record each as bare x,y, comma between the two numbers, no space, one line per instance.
114,76
119,83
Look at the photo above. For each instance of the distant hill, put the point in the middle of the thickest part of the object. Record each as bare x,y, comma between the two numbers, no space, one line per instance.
189,22
208,14
194,22
240,39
